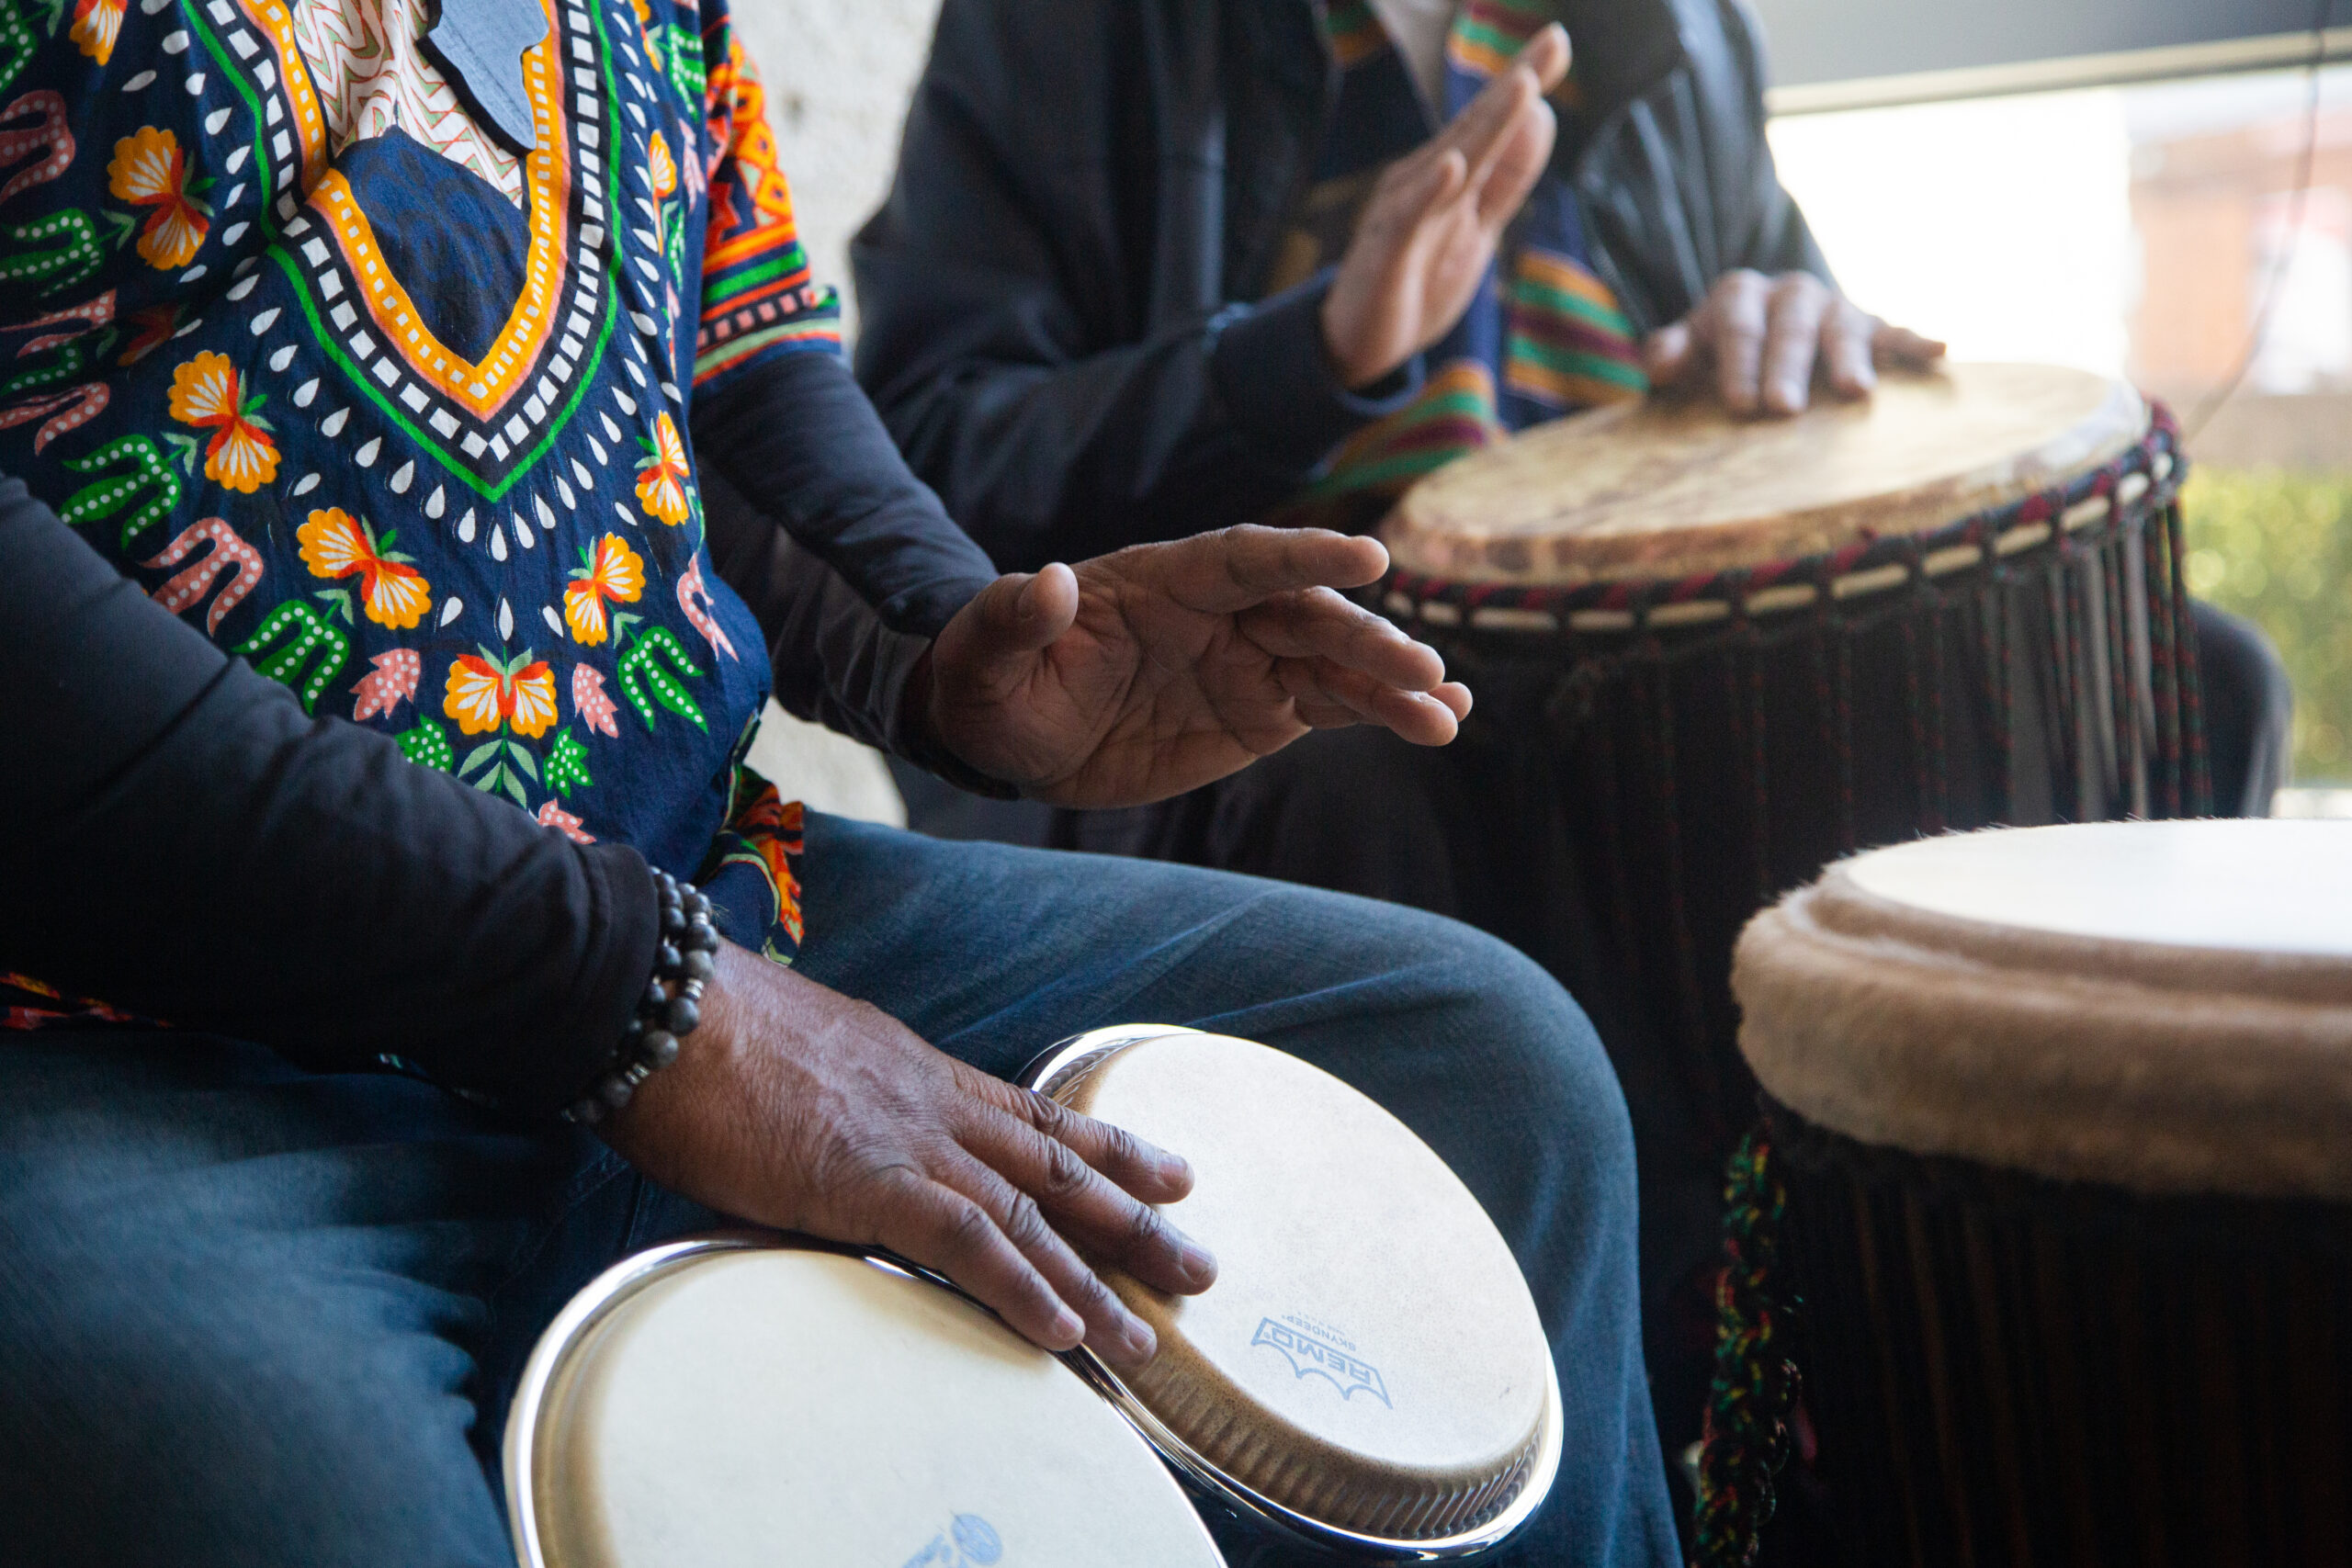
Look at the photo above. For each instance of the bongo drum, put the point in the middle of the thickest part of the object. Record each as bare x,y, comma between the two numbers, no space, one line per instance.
2063,1122
1715,654
734,1402
1369,1372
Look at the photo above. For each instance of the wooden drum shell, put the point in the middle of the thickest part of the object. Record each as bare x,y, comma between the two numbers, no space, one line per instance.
2061,1116
2003,1369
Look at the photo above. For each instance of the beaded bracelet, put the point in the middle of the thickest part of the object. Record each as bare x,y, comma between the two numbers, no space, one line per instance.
672,1007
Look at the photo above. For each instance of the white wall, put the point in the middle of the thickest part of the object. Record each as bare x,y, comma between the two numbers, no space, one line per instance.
838,78
839,73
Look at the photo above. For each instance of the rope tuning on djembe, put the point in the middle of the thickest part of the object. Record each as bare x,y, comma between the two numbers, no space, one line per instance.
1752,1404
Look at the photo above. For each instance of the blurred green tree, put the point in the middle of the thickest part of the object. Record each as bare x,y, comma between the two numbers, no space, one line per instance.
2276,547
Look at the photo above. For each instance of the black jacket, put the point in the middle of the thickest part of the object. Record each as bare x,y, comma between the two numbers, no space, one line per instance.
1061,311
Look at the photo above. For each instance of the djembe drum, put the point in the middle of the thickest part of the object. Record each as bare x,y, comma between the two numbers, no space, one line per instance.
2062,1121
1713,654
1369,1374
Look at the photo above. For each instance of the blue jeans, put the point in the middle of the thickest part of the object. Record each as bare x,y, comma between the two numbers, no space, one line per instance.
258,1316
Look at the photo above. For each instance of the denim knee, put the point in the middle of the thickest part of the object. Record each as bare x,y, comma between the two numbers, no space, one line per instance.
1523,1024
185,1397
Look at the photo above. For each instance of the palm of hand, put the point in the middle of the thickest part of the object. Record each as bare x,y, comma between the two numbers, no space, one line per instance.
1432,284
1161,668
1422,246
1142,697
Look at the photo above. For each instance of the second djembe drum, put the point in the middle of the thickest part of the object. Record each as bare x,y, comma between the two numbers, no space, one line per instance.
1713,654
2058,1126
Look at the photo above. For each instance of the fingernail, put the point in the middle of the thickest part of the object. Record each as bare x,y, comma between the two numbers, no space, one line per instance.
1141,1344
1175,1167
1069,1328
1197,1262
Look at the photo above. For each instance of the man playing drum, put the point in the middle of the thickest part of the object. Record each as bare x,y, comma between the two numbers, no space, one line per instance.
370,340
1148,268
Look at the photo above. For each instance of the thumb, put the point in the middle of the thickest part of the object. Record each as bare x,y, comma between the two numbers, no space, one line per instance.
1022,611
1667,353
1906,347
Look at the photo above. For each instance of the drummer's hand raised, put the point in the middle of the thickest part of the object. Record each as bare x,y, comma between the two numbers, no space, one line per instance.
1423,245
1762,339
795,1107
1164,667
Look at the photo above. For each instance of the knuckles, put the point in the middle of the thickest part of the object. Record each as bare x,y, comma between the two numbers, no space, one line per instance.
1066,1172
965,1230
1800,288
1148,1234
1121,1151
1024,1223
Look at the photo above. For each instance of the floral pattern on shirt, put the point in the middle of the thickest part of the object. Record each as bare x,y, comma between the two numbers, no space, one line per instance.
281,337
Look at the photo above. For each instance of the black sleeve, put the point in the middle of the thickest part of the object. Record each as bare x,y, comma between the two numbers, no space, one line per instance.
800,446
180,840
997,328
1781,240
844,556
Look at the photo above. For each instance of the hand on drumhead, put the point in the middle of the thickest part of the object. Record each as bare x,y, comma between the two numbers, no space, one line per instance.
1762,340
1143,674
1422,246
795,1107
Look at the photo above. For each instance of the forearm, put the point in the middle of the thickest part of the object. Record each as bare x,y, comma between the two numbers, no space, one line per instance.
1780,240
836,660
836,663
805,458
178,838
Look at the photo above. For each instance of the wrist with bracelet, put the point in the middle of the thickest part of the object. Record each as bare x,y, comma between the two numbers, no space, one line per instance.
683,966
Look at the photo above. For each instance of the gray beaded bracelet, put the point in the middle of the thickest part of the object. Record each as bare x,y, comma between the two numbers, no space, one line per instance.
672,1007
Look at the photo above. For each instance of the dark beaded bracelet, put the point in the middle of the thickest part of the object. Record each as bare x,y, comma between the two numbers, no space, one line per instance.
672,1007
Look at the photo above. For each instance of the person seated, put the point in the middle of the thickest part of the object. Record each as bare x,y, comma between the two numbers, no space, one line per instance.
427,446
1151,268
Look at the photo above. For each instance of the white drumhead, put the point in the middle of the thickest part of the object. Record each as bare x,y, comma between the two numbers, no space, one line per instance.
2254,886
2164,1007
1370,1357
767,1407
1678,486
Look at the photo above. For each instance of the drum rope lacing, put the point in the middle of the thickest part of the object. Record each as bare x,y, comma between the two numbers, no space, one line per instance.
1915,1206
1752,1403
2138,492
2151,469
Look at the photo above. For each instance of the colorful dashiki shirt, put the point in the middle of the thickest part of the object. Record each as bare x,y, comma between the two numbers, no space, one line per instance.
399,413
1543,338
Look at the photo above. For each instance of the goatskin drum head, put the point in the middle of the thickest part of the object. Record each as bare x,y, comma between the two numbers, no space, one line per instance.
765,1406
1676,486
1370,1358
2164,1007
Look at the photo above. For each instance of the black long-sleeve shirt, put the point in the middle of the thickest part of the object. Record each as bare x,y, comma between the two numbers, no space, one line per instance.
180,839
